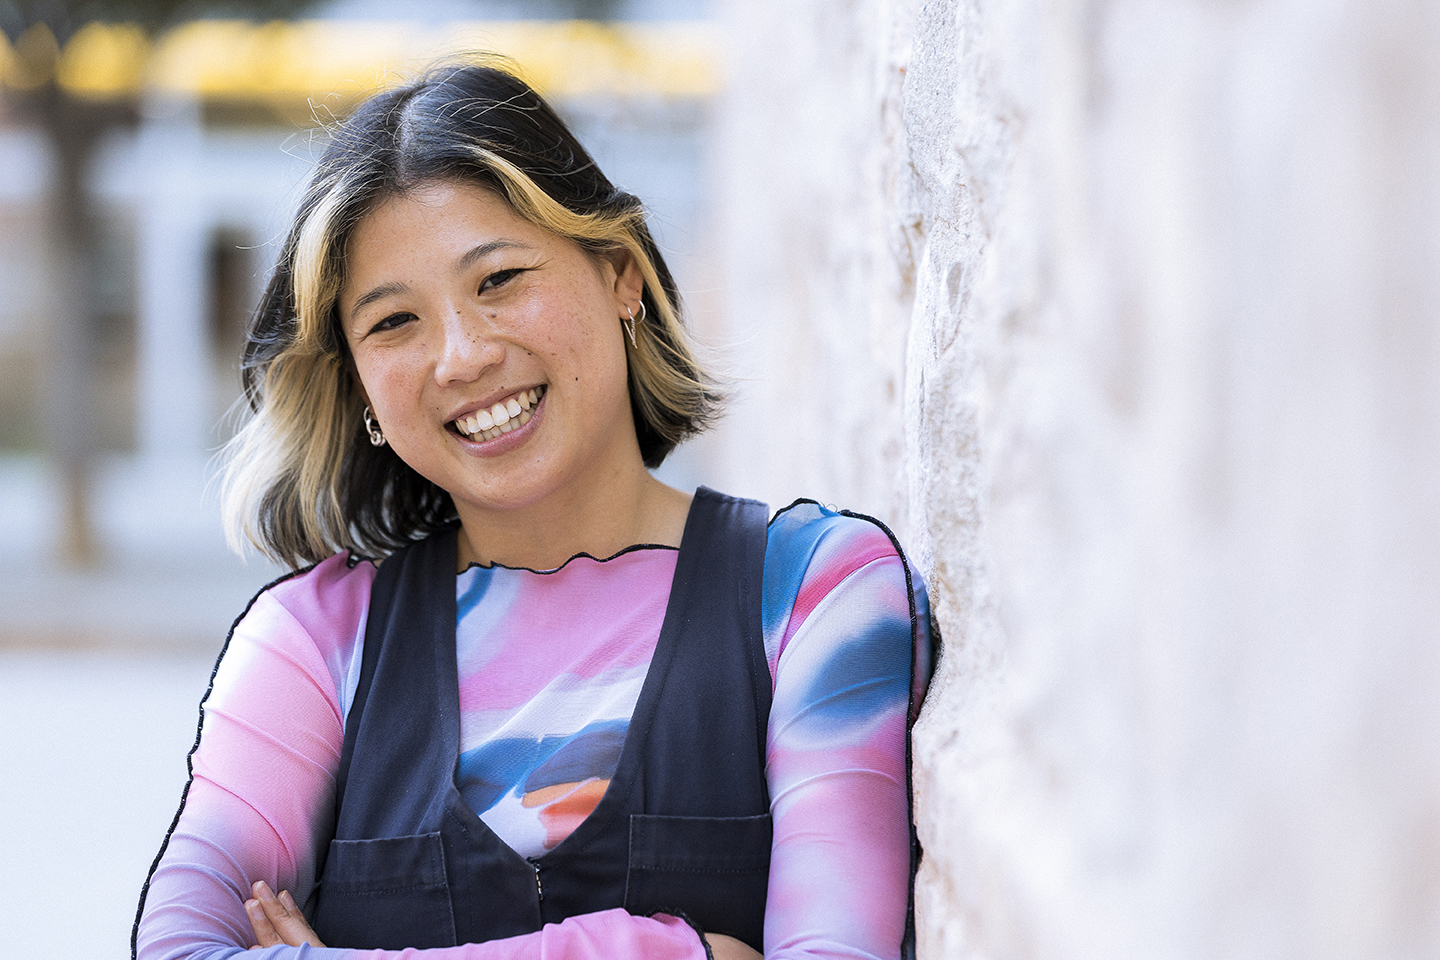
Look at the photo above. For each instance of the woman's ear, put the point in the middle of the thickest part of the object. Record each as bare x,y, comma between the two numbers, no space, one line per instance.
629,283
355,379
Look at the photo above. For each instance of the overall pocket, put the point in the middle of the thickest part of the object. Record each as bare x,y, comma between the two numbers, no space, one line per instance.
385,894
715,870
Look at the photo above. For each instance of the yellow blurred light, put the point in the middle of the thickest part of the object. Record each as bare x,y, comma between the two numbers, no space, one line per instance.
580,58
31,62
104,60
345,60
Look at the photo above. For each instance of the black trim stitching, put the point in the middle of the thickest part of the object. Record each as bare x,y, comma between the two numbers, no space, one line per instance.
685,918
475,565
190,757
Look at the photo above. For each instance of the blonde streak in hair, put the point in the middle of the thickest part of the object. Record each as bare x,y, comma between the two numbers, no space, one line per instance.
537,206
251,465
257,466
662,387
311,422
313,276
285,453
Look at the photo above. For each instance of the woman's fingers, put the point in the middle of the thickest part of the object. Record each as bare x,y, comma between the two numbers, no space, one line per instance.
265,935
280,919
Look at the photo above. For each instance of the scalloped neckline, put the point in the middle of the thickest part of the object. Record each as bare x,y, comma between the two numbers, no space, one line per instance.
634,547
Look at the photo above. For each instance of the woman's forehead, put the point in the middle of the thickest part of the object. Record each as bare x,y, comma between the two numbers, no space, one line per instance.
442,199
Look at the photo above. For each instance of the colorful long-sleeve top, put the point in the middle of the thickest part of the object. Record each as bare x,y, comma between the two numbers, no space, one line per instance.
550,667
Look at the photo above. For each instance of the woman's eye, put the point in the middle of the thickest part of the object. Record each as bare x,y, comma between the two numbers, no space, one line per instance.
392,321
498,279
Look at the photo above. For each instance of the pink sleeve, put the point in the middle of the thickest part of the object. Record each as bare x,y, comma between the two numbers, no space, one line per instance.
260,802
840,637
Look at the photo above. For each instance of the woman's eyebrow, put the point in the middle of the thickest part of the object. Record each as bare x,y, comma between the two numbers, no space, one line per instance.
484,250
379,293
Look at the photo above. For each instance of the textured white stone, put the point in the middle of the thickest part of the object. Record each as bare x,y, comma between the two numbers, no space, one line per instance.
1127,315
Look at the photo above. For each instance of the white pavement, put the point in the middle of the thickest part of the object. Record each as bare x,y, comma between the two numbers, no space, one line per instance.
93,747
101,676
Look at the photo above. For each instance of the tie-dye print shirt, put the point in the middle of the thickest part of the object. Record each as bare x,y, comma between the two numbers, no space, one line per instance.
551,666
546,699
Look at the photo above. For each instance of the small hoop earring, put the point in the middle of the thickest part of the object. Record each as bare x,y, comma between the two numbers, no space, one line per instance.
377,439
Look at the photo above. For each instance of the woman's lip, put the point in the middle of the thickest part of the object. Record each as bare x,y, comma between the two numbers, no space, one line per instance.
503,444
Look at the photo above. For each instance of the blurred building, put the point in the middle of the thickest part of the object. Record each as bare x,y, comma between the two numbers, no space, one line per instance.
191,192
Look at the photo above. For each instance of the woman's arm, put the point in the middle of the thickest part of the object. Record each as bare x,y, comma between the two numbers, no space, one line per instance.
838,624
260,803
277,921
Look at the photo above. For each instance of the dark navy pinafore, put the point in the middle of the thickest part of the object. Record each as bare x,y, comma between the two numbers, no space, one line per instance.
683,828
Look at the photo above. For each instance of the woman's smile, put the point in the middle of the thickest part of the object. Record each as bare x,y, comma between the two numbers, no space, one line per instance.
506,418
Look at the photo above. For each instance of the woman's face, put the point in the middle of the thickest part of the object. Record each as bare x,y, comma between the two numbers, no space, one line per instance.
489,348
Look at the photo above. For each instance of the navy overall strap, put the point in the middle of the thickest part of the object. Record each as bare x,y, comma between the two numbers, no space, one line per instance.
384,882
420,637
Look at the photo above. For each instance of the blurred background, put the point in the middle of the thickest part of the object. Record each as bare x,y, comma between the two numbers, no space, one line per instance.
1124,314
151,155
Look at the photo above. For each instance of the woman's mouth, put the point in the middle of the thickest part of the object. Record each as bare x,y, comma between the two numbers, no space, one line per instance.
507,415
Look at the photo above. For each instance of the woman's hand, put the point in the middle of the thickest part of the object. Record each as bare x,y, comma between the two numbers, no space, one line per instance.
276,920
728,948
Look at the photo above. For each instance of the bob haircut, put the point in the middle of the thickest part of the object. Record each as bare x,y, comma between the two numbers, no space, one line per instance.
302,480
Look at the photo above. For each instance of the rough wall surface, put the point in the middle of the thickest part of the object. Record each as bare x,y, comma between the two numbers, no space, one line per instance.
1127,315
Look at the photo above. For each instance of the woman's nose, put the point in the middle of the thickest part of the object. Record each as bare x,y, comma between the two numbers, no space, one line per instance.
468,346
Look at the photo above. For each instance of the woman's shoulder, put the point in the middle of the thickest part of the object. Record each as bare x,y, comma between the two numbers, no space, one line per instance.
807,536
312,620
328,601
841,579
812,551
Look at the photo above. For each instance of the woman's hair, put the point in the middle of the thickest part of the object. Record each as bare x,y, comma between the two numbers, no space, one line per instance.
302,479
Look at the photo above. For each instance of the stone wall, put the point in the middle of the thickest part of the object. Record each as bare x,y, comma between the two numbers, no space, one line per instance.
1127,316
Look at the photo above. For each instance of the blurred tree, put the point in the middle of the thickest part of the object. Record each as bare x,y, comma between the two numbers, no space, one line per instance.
74,125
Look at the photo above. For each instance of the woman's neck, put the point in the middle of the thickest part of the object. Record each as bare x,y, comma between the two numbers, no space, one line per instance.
543,536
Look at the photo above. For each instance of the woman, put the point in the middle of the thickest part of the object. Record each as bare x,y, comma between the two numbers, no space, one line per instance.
574,712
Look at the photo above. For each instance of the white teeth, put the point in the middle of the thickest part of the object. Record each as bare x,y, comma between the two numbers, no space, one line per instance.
501,418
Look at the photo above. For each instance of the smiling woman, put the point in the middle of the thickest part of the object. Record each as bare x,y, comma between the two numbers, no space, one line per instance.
299,487
454,307
565,710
